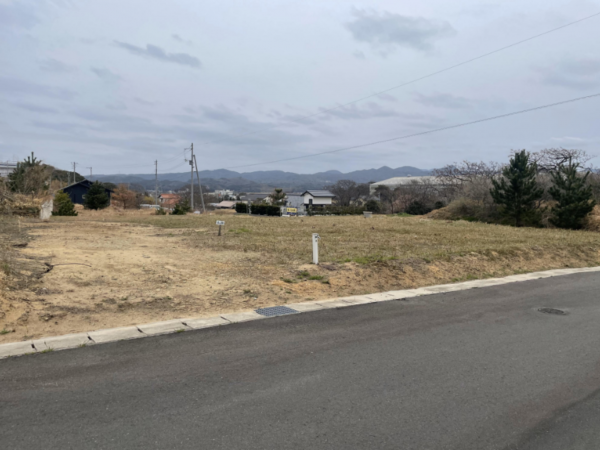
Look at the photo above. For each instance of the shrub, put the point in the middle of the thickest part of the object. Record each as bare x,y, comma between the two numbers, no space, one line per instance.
160,212
417,208
63,205
266,210
241,208
181,209
373,206
337,211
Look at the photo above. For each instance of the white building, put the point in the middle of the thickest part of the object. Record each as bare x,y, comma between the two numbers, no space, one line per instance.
6,168
317,198
395,182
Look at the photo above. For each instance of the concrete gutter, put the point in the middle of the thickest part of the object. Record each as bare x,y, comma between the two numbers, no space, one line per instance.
180,325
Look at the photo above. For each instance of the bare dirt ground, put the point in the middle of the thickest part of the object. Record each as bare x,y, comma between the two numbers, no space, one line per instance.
116,270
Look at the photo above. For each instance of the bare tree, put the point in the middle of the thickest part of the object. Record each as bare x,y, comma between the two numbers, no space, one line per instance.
345,191
550,159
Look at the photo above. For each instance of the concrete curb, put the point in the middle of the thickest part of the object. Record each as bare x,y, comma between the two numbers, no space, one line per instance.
180,325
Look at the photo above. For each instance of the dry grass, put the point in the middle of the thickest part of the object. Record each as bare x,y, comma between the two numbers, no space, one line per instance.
355,239
140,268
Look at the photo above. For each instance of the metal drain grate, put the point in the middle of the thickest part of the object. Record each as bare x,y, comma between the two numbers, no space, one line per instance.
558,312
276,311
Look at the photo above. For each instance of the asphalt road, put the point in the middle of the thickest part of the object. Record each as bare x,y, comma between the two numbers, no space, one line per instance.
478,369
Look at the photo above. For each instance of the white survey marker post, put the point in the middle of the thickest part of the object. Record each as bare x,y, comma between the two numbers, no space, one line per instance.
315,241
220,223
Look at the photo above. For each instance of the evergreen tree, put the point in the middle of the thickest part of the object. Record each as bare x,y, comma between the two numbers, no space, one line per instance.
277,197
573,194
181,208
17,179
96,197
63,205
517,191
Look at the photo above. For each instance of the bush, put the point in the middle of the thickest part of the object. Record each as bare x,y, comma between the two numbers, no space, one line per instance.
266,210
467,209
373,206
181,209
160,212
417,208
241,208
96,198
63,205
337,211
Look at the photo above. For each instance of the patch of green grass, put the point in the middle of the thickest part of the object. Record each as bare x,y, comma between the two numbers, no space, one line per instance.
5,268
82,345
4,331
287,280
240,230
48,350
304,274
181,330
316,277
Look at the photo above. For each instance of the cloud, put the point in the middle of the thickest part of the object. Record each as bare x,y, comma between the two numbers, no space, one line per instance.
353,112
142,101
55,66
573,73
18,14
440,100
11,86
106,75
359,55
387,97
154,52
36,108
181,40
387,30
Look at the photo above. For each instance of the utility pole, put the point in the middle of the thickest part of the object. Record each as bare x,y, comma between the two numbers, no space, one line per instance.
90,173
156,182
200,186
192,177
74,168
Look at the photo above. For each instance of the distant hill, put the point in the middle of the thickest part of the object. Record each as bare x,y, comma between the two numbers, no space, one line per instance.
262,180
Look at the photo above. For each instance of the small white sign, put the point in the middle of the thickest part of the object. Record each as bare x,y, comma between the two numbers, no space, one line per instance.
220,222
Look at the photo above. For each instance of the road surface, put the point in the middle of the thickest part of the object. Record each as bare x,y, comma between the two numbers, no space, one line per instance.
477,369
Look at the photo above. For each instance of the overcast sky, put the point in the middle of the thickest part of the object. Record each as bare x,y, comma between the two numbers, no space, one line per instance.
116,84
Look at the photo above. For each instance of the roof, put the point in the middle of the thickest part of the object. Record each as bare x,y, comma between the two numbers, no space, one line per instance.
226,204
319,193
166,196
403,180
87,183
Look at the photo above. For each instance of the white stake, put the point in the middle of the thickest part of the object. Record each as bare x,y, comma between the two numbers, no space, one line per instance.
315,241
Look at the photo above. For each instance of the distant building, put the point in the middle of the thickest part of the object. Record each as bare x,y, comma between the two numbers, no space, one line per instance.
6,168
168,200
225,205
317,198
77,191
255,196
395,182
224,193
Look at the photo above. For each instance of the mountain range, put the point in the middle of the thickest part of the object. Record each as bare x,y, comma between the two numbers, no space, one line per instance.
261,180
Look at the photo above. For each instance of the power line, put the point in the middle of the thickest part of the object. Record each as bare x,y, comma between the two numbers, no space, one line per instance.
423,132
343,105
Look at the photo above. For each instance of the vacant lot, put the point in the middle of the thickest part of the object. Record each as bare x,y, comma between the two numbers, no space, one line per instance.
112,269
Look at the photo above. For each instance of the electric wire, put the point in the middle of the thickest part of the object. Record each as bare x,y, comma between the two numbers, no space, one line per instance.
385,91
383,141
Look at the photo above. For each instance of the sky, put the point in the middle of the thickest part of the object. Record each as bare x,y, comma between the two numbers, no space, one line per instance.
117,84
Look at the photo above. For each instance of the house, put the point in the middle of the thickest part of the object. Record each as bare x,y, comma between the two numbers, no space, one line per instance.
253,197
317,198
168,200
77,191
